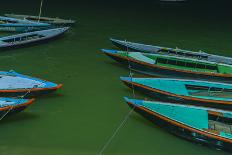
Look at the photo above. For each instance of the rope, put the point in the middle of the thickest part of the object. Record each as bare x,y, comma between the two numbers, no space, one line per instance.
115,132
6,113
127,115
22,96
130,69
11,107
40,9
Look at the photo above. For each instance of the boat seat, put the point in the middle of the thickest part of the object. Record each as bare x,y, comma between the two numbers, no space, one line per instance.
220,127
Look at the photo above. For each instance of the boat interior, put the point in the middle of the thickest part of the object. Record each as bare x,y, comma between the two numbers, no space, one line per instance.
219,123
191,65
23,38
182,53
195,90
213,121
41,19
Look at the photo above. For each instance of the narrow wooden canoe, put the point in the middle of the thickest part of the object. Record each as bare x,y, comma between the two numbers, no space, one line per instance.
207,126
9,106
13,84
172,66
198,93
54,21
17,25
30,37
138,47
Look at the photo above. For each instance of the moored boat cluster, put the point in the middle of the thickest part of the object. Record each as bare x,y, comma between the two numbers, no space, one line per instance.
191,91
17,90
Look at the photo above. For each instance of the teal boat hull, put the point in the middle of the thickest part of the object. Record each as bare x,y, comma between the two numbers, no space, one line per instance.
168,97
180,132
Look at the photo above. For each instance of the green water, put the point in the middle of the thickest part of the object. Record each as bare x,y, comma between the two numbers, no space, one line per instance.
80,117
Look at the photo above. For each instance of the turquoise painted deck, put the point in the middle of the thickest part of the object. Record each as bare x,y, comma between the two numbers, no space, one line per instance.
189,116
140,56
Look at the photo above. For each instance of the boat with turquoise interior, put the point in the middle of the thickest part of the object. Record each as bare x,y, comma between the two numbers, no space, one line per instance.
17,25
9,106
172,66
194,92
27,38
13,84
138,47
207,126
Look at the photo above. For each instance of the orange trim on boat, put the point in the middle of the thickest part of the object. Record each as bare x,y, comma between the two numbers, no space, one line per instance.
29,102
180,96
182,125
32,89
167,68
214,113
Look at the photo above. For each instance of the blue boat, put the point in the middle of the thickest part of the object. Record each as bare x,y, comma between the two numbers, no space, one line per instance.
207,126
195,92
138,47
17,25
53,21
31,37
9,106
13,84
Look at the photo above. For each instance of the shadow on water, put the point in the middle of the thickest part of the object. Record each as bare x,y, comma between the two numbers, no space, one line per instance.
52,95
115,64
24,116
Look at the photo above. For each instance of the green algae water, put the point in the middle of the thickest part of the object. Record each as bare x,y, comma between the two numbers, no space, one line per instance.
81,116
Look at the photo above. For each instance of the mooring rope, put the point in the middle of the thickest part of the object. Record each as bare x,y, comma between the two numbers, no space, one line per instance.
11,107
130,70
116,131
40,9
20,97
127,115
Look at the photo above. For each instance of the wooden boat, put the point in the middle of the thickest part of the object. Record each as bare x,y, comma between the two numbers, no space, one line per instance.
53,21
13,84
172,66
199,93
31,37
12,24
207,126
137,47
9,106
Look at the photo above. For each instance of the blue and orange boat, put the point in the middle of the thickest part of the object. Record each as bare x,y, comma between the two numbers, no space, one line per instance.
13,84
172,66
195,92
9,106
17,25
207,126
